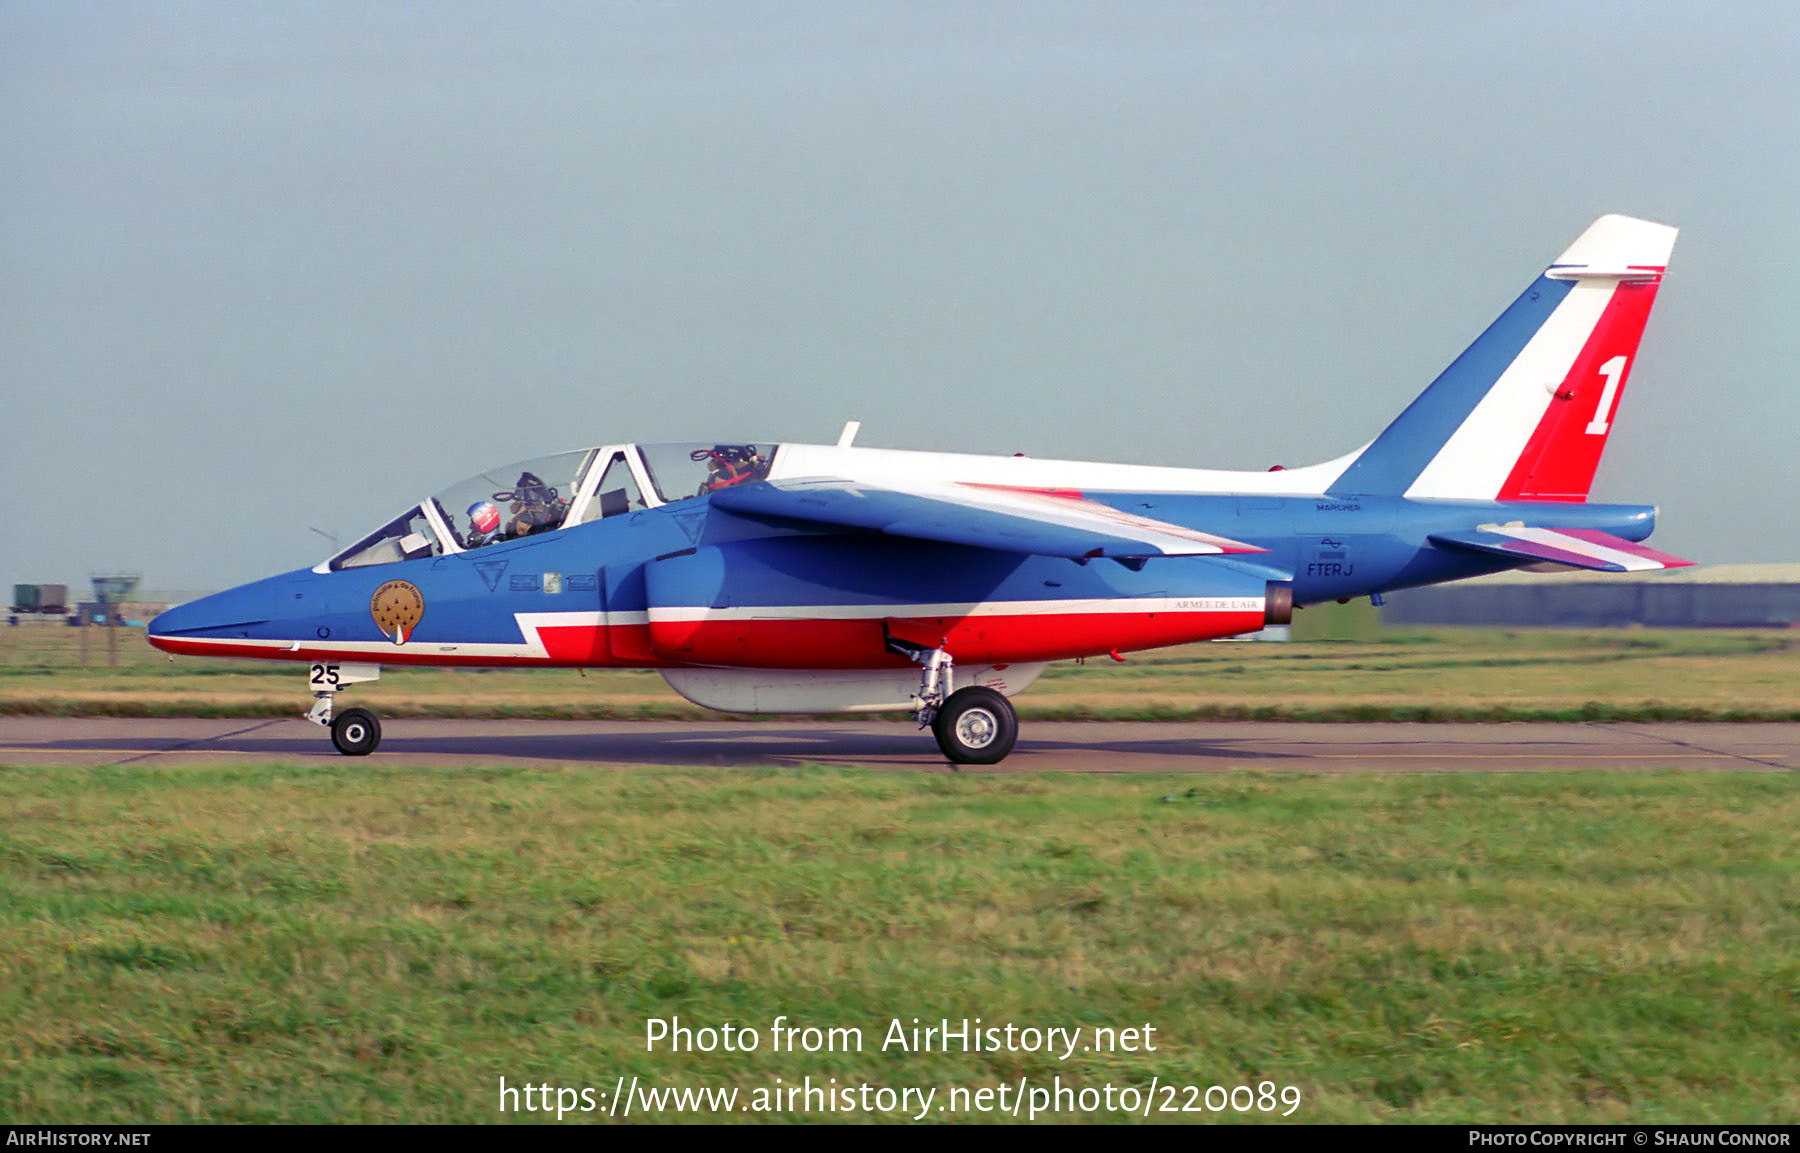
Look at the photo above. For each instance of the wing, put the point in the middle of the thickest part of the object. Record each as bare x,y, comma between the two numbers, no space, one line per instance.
1042,522
1580,547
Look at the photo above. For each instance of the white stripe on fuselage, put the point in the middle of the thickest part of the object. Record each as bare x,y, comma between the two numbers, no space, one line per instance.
674,614
903,469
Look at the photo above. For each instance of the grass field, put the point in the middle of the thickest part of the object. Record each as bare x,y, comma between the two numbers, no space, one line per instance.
361,942
377,943
1444,674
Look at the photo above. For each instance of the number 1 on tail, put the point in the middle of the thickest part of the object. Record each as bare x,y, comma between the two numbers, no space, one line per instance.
1614,371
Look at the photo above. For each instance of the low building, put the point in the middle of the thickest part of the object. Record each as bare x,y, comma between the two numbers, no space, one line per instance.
1710,596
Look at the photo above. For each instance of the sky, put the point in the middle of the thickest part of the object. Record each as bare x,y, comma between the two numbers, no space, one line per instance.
271,273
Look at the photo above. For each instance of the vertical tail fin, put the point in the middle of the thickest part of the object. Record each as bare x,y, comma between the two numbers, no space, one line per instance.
1524,412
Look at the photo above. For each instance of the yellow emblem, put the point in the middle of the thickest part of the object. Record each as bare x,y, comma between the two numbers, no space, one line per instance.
397,607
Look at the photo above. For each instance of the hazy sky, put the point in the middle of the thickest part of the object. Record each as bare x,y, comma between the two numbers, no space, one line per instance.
274,268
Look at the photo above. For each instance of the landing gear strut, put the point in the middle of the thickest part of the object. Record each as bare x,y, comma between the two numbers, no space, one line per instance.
973,726
355,732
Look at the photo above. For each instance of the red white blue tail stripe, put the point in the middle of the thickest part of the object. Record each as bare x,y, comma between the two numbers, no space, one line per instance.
1524,413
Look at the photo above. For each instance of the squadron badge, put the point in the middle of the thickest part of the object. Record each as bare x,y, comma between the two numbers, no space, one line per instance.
397,607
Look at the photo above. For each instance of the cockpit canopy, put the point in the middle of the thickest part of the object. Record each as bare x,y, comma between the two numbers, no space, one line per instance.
556,492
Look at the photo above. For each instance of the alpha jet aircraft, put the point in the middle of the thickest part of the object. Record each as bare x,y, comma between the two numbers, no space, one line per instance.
799,578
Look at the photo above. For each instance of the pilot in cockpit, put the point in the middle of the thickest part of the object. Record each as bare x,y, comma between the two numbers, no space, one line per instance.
484,518
729,464
536,507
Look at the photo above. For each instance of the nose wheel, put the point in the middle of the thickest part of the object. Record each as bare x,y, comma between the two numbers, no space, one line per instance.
355,732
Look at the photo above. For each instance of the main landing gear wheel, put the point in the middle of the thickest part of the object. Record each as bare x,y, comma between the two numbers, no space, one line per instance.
976,726
356,732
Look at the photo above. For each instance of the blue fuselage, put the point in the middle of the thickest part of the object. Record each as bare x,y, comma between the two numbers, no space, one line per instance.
692,584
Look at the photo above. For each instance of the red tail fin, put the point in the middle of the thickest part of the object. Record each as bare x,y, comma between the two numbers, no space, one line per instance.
1559,460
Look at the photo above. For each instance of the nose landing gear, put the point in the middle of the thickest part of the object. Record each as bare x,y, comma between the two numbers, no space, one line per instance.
355,732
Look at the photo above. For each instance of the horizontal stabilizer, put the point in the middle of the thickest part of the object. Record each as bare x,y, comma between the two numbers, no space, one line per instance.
1579,547
1044,523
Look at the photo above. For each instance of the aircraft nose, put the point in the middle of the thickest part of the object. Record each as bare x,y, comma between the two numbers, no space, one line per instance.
232,613
180,619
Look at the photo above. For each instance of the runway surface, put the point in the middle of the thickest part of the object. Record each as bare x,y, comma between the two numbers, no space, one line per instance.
1062,746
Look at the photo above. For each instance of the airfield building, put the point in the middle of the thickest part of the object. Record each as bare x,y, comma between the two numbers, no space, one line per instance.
1711,596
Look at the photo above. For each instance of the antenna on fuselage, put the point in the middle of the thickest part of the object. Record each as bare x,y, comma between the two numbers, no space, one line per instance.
849,433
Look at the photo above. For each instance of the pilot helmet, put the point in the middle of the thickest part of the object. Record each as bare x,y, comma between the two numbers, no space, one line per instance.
483,516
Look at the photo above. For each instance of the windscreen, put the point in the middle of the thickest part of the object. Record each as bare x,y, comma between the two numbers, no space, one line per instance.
408,536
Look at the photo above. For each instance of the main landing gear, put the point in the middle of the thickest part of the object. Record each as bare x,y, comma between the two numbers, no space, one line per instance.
976,726
355,732
973,726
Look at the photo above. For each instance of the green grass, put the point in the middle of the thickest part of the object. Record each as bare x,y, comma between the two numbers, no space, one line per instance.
1411,675
380,943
